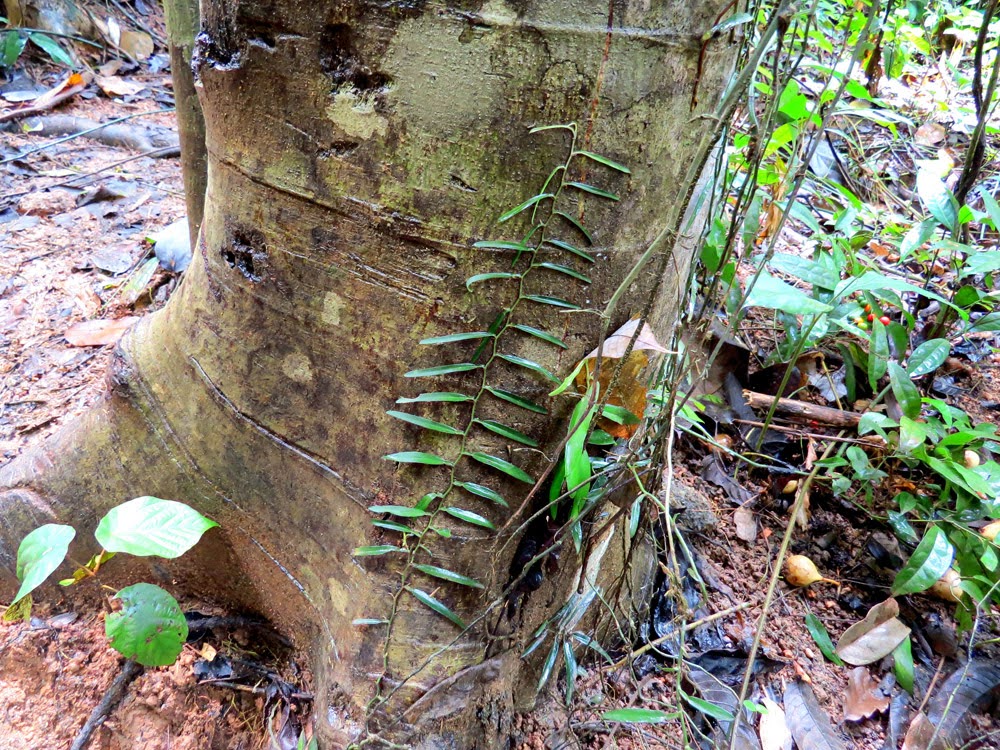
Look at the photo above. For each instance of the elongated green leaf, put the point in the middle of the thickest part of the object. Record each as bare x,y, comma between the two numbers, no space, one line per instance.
451,338
550,662
565,270
449,396
528,365
448,575
39,554
403,511
878,356
532,201
637,716
619,414
378,549
501,245
930,560
481,277
571,249
469,517
576,225
571,127
774,294
393,526
431,372
543,299
569,379
915,238
575,458
538,333
148,526
513,398
905,392
603,160
427,424
507,432
424,598
822,638
362,622
52,48
592,190
991,206
927,357
902,665
416,457
709,709
810,271
500,464
13,46
483,491
937,197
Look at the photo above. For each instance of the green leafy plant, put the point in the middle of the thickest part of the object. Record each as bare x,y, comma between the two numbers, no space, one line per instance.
150,627
13,42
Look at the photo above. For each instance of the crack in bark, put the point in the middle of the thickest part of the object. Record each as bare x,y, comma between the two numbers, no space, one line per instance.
353,492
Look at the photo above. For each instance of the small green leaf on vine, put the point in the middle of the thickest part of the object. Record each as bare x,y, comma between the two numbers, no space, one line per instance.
603,160
500,464
483,491
534,200
448,575
416,457
571,248
565,270
592,190
576,225
469,517
481,277
439,396
431,372
434,604
452,338
403,511
529,365
508,432
543,299
427,424
513,398
378,549
538,333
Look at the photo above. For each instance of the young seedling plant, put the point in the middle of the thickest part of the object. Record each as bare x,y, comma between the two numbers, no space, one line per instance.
150,627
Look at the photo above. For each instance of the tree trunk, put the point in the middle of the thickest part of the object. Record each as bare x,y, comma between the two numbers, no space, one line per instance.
356,153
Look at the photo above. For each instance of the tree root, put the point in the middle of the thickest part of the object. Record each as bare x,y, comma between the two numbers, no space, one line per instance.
112,697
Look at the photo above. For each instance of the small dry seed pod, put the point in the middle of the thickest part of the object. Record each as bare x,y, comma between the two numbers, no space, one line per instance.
801,571
972,459
948,586
991,530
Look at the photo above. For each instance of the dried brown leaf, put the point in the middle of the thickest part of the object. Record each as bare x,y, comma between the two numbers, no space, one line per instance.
810,726
98,332
863,697
929,134
874,637
746,524
774,732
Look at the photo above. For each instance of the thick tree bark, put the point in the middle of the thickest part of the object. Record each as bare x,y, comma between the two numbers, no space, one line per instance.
356,152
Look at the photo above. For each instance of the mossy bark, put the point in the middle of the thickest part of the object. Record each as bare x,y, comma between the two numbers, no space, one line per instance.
356,152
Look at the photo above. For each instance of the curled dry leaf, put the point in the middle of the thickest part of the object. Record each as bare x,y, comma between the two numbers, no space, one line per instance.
98,332
864,697
968,689
810,726
929,134
774,732
746,524
874,637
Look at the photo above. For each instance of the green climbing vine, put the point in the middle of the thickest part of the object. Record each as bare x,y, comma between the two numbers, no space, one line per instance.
539,249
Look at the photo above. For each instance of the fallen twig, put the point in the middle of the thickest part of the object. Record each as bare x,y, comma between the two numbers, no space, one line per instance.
804,410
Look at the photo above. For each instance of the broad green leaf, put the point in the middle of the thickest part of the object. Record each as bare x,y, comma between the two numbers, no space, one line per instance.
637,716
810,271
149,628
565,270
566,382
873,281
416,457
501,465
916,237
502,245
393,526
534,200
927,357
576,225
451,338
508,432
774,294
981,262
544,299
937,197
52,49
39,554
709,709
992,208
13,46
822,638
424,598
592,190
469,517
447,575
619,414
449,396
571,249
431,372
483,491
481,277
513,398
378,549
929,561
905,392
402,511
575,458
427,424
529,365
603,160
538,333
878,357
989,322
150,526
902,665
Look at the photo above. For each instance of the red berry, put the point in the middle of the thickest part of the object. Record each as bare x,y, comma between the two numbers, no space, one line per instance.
871,318
884,320
868,308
